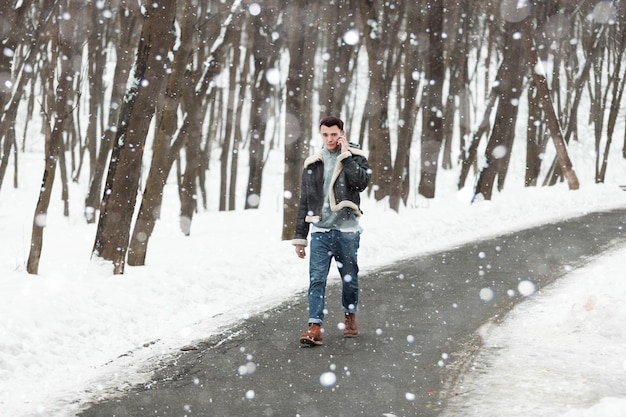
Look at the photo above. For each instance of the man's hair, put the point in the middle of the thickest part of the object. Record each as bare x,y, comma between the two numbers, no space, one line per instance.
331,121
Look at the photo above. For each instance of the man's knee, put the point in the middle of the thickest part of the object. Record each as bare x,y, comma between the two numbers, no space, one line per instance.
317,280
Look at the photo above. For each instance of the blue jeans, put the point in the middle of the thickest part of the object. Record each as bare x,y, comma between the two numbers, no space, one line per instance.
324,247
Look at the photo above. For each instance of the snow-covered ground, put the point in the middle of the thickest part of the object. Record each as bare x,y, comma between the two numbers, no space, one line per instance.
75,332
562,353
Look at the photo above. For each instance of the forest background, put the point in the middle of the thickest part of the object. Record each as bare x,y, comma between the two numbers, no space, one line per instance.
107,83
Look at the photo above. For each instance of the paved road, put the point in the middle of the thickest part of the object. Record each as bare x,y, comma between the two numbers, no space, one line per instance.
417,321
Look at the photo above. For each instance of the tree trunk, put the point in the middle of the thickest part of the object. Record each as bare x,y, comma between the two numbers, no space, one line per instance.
118,202
8,142
191,134
338,41
470,154
238,135
127,20
534,139
554,172
8,40
196,105
432,107
163,156
617,94
54,137
302,44
229,123
94,69
624,146
11,102
258,127
385,20
548,108
265,53
509,83
408,108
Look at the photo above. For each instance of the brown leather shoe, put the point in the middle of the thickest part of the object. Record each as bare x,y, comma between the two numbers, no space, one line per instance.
312,336
350,329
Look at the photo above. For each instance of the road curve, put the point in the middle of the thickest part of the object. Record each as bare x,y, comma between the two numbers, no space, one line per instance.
417,321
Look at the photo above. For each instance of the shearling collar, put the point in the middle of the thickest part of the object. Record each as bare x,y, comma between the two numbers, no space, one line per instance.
318,156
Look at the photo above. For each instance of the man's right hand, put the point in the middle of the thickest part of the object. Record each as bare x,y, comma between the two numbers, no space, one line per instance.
300,251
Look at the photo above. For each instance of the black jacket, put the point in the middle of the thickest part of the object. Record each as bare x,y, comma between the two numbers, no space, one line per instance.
351,176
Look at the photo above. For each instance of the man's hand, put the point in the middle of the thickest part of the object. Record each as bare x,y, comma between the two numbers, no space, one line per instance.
300,251
343,142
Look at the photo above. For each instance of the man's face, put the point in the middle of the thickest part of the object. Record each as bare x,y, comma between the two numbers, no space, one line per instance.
330,135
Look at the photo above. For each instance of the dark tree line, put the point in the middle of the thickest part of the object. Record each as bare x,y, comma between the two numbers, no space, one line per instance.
186,79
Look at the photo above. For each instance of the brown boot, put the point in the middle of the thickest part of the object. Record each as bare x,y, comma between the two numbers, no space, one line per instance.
312,336
350,329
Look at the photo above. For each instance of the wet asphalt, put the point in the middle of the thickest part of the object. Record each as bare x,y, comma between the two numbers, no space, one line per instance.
417,322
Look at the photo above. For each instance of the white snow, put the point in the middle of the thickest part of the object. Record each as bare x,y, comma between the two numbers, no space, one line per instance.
561,353
75,332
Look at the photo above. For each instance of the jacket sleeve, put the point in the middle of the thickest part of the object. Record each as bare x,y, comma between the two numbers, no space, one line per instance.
357,170
302,226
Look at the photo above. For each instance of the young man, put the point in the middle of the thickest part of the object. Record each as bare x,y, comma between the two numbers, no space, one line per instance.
330,206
